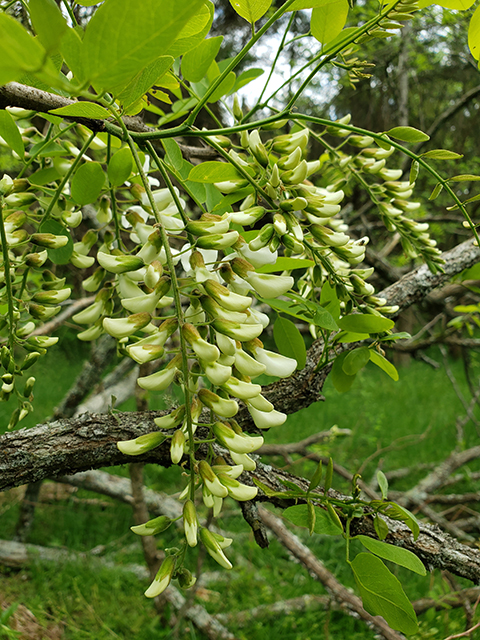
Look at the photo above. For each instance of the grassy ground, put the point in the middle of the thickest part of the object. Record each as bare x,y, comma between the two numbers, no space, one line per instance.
393,425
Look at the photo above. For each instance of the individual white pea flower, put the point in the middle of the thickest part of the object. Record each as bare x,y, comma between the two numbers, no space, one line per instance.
194,263
237,490
195,413
276,364
227,408
123,327
80,261
142,444
177,446
163,578
126,287
152,527
92,333
263,237
237,331
244,459
247,217
361,287
217,373
266,420
162,197
36,259
328,237
41,312
172,419
257,317
313,167
148,302
49,240
295,176
210,480
218,241
214,549
27,328
230,186
236,442
119,264
234,282
391,309
72,218
227,361
145,352
258,148
207,497
6,184
207,224
136,217
405,205
160,334
248,365
226,345
257,258
194,312
90,314
151,248
391,174
241,389
52,297
289,142
265,284
203,349
162,379
234,472
171,223
217,311
225,298
261,403
190,523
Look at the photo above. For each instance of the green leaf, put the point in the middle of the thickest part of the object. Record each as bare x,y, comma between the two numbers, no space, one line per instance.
87,183
245,77
19,52
286,264
436,192
225,87
311,518
144,81
398,555
289,341
82,110
382,483
197,61
381,527
384,364
456,5
61,255
382,593
120,39
441,154
408,134
328,476
347,336
10,133
72,51
120,167
302,309
251,10
396,512
365,323
340,380
194,31
48,22
414,171
355,360
213,171
328,20
316,478
44,176
324,525
308,4
329,300
464,177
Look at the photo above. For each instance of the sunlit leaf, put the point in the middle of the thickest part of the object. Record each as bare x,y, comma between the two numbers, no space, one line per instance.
408,134
82,110
328,20
10,133
251,10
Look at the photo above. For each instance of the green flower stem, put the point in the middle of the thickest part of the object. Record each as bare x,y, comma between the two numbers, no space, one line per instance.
8,282
281,47
47,141
176,297
190,121
66,177
383,138
112,197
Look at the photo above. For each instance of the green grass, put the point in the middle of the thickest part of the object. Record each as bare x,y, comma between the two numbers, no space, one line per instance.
397,424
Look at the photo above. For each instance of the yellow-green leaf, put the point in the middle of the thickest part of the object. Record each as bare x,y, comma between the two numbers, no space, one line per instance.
82,110
251,10
328,20
474,34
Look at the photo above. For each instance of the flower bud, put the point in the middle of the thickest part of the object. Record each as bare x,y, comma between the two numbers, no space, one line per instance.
237,490
177,446
218,241
220,406
52,297
185,578
36,259
225,297
214,549
204,350
266,420
211,481
152,527
217,373
291,161
119,264
190,523
244,459
257,148
92,283
162,379
90,314
23,199
208,224
230,186
237,331
49,240
123,327
248,217
40,312
226,345
328,237
240,389
171,420
29,360
142,444
163,578
295,176
290,141
236,442
248,365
